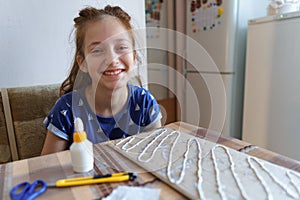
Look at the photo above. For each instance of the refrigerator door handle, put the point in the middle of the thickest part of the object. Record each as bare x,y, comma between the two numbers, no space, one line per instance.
184,63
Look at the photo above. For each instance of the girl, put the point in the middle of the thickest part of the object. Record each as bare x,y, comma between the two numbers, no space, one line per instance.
97,88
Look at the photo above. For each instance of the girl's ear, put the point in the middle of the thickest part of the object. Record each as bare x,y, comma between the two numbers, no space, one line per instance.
81,63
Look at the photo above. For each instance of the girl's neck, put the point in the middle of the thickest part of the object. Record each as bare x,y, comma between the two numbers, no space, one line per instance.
107,103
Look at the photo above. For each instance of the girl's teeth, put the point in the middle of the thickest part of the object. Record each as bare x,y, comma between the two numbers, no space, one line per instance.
113,72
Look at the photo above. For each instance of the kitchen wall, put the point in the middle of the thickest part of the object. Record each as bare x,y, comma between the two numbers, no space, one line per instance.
35,43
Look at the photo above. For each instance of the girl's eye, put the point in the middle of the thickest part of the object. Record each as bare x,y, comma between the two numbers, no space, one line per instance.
123,48
97,51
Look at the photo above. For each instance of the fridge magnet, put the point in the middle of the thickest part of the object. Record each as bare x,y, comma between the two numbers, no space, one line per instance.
205,15
153,17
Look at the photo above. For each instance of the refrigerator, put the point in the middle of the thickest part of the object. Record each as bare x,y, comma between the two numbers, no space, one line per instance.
272,84
215,46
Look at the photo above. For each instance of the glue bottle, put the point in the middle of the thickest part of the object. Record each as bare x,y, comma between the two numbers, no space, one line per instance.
81,149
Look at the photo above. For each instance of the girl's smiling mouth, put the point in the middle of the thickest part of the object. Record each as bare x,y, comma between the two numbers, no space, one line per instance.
113,72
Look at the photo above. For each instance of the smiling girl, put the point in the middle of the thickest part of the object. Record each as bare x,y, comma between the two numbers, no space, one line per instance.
97,88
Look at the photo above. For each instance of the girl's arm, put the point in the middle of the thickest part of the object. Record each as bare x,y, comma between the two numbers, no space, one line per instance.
53,144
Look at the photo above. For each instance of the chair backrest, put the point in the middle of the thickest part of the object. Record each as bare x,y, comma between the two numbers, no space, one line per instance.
5,154
29,107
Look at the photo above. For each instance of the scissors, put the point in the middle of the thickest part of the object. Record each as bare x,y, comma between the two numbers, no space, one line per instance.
27,191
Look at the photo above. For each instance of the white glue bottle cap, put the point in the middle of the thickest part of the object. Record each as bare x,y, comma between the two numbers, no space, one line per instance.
79,134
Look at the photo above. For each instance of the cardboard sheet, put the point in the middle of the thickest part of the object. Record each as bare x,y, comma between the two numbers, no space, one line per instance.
208,170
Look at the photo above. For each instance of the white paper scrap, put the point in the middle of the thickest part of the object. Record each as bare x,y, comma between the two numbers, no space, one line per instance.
131,193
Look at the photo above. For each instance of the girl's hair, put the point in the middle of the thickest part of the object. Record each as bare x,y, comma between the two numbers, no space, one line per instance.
86,16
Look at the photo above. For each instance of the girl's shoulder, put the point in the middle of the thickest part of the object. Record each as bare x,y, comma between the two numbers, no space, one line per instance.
67,98
140,95
138,91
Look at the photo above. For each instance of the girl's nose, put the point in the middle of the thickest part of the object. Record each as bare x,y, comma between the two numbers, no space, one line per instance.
111,57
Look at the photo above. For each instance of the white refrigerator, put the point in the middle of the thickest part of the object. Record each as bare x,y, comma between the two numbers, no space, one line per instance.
213,90
272,84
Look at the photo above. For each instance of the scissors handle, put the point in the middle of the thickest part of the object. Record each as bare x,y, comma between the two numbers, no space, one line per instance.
28,191
19,191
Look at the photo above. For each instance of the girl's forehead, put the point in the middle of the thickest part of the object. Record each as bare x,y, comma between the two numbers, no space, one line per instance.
105,30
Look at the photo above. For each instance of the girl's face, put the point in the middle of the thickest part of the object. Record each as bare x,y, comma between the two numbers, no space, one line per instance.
109,55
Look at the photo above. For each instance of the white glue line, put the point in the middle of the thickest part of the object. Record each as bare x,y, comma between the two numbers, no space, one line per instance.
288,173
278,182
232,169
156,148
